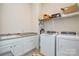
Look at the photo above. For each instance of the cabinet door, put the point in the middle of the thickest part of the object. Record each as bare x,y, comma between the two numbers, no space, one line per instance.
6,42
18,48
6,50
29,44
23,45
36,40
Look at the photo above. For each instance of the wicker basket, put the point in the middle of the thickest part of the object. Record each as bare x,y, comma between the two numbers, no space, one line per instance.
70,9
46,17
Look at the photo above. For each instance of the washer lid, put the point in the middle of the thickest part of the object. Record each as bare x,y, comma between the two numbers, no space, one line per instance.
46,34
71,37
69,33
51,32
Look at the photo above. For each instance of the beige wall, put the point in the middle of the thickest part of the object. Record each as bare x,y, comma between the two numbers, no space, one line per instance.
63,24
0,16
24,18
36,9
51,8
16,18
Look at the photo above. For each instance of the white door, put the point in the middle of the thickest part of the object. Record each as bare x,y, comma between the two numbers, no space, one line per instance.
23,45
35,41
47,43
67,47
6,50
18,47
29,44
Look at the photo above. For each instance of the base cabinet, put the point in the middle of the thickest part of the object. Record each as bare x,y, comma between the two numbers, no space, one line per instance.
28,45
23,46
19,46
6,51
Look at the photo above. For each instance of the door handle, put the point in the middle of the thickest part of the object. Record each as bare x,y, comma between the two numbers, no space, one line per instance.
14,45
10,46
31,41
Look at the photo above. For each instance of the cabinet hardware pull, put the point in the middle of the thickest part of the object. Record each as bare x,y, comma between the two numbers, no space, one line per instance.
10,46
14,45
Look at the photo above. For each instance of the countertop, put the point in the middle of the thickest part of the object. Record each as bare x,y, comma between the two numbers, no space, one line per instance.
10,34
16,35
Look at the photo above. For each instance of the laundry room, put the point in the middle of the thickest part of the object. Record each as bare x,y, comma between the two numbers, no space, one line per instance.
59,30
67,23
39,29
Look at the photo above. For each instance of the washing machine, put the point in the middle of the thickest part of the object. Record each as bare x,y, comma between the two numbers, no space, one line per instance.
47,44
67,44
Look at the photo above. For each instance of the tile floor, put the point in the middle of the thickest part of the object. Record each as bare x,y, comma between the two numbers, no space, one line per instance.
34,52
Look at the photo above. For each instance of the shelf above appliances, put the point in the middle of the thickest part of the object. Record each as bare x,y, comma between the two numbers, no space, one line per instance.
70,14
65,15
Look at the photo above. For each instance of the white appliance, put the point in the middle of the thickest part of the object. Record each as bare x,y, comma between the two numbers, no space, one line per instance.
67,45
47,44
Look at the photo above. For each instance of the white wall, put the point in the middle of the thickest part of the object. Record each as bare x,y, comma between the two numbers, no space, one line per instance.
0,15
64,24
24,17
16,18
36,9
51,8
